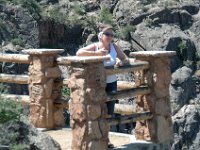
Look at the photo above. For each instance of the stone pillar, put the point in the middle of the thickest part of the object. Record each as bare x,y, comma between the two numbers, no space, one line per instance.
87,107
44,88
157,77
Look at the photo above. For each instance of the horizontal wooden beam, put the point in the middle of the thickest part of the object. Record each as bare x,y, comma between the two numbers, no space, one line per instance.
129,118
26,99
20,98
124,109
124,85
11,78
81,59
15,58
129,93
137,65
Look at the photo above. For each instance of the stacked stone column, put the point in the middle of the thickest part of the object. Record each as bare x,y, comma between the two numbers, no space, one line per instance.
157,77
87,107
44,88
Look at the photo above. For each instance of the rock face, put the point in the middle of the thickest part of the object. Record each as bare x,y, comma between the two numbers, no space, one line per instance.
23,132
186,128
182,88
16,22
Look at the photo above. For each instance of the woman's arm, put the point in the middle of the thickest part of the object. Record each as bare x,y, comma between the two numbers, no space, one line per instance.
86,51
90,51
122,56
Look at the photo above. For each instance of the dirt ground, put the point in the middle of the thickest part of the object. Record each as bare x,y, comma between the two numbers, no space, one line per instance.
63,137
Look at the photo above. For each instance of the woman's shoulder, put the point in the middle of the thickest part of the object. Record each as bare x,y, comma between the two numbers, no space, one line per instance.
115,46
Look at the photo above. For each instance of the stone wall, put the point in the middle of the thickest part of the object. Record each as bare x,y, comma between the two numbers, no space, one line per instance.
157,77
87,107
45,89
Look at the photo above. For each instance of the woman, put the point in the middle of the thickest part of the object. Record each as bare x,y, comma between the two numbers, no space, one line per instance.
102,48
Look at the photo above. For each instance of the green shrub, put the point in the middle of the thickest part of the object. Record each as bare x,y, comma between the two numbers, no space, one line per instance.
9,109
148,21
105,16
90,23
31,5
78,8
124,32
20,147
66,92
182,46
18,41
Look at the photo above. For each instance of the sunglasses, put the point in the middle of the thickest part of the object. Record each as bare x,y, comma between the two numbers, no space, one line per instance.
108,34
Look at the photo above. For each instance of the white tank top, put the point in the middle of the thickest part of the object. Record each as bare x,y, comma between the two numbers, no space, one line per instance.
111,62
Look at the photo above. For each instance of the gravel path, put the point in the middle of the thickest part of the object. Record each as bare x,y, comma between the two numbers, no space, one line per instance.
63,137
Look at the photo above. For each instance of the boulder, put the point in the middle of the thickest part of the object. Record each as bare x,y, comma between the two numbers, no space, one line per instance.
182,88
23,132
186,128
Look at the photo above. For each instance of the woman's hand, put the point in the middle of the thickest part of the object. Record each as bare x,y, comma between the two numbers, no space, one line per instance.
101,52
122,62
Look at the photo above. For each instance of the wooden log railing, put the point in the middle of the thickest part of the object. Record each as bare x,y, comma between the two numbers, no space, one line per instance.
10,78
89,120
133,66
130,118
15,58
129,93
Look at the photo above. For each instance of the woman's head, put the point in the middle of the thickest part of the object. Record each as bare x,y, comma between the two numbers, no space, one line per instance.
106,33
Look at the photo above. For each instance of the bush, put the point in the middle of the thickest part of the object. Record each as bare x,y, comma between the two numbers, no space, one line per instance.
18,41
148,21
9,109
182,46
66,92
105,16
31,5
78,8
124,32
20,147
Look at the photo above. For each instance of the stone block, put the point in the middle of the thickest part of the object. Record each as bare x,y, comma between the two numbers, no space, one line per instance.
93,111
78,136
37,92
49,113
163,107
53,72
37,77
78,112
94,130
58,117
104,127
48,88
38,115
164,129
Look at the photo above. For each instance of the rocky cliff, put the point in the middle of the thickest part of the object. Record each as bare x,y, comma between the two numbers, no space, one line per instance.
168,25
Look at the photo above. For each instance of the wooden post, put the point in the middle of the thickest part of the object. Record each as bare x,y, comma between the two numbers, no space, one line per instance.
157,77
44,90
87,107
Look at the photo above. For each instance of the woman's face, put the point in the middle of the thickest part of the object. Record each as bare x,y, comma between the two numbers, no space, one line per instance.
107,36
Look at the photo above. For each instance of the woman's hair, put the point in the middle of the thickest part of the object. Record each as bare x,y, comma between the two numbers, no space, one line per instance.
103,28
